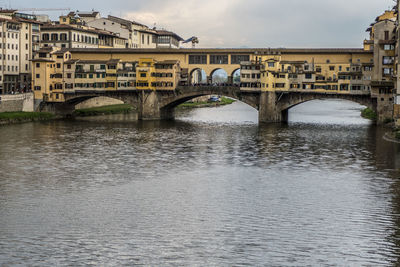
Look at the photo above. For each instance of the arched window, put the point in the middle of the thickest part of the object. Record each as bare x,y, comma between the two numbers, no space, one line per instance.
54,37
63,37
45,37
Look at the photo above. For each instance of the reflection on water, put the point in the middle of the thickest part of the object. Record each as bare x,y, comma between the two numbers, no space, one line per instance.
212,188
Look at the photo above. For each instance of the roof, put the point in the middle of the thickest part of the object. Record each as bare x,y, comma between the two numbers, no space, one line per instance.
42,60
28,20
70,27
121,21
124,21
9,20
147,30
71,61
61,51
91,61
171,62
88,14
7,11
293,62
113,61
168,33
66,27
237,51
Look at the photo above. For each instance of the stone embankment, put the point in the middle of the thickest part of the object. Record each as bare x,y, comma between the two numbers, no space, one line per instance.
17,103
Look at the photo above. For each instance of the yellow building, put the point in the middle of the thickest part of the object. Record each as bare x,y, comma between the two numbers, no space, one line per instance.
56,73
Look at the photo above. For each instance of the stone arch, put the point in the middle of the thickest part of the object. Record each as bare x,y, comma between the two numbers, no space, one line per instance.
169,103
288,101
235,76
68,107
198,76
219,75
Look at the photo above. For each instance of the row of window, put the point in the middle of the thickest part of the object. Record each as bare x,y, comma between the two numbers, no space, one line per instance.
10,57
342,87
253,76
217,59
75,37
11,68
9,35
162,74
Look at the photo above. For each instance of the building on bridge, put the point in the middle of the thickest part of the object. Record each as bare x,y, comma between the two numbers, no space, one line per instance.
56,73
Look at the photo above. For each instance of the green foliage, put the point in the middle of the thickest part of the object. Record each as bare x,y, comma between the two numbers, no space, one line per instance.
387,120
21,116
105,110
369,114
224,101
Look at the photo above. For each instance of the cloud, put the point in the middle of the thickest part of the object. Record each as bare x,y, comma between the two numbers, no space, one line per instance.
250,23
260,23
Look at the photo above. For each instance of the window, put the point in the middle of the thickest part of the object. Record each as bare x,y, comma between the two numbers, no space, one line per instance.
37,76
387,71
308,75
271,64
388,60
386,35
143,74
236,59
218,59
197,59
37,65
388,47
331,68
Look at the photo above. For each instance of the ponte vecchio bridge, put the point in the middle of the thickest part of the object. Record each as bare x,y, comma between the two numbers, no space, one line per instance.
273,81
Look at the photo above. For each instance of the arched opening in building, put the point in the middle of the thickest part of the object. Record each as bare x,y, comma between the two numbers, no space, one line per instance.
198,76
326,111
236,77
219,76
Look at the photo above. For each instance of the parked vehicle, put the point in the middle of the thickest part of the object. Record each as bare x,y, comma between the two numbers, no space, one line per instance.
214,99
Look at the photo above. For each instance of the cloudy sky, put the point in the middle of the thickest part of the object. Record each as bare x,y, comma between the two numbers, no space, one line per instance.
241,23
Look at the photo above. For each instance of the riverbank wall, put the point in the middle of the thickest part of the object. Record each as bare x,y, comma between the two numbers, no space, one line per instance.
17,103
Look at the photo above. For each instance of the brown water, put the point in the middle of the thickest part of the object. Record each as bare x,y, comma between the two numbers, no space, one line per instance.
212,188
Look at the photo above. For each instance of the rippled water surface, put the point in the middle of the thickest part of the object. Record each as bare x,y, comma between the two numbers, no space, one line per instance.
212,188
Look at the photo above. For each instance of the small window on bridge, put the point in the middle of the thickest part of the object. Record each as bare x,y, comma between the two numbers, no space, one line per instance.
197,59
219,59
236,59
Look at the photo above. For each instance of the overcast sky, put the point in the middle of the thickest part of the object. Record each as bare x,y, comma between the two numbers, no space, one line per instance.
241,23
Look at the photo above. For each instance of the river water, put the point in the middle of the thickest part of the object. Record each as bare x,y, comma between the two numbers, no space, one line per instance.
212,188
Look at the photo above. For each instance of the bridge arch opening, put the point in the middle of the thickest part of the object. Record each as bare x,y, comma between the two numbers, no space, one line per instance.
219,76
326,111
236,77
198,76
